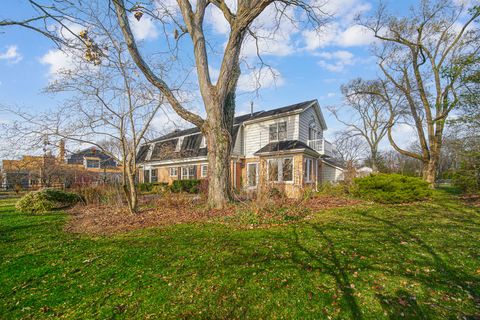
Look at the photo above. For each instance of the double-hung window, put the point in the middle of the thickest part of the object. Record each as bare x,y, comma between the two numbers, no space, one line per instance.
146,176
188,173
309,170
204,171
278,131
153,175
280,170
252,174
173,172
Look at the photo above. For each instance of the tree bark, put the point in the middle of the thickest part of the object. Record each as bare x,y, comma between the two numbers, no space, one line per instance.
219,144
129,190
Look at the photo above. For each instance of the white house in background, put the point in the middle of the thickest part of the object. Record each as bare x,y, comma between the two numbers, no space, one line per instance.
282,148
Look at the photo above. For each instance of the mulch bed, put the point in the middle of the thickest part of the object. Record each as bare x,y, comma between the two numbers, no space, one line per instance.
471,199
164,211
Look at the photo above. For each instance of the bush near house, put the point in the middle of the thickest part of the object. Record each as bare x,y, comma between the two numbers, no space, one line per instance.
190,186
391,188
152,187
46,200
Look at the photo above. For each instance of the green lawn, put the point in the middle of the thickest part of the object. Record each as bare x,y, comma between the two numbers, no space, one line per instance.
417,261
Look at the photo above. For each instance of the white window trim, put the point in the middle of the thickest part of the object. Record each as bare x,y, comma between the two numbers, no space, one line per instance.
170,172
309,175
203,144
201,170
277,125
96,160
178,147
188,173
257,164
280,170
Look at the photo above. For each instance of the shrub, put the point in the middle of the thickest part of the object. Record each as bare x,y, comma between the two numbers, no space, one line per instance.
101,194
334,189
152,187
190,186
46,200
391,188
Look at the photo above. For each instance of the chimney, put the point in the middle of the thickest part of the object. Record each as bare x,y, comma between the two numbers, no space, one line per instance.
251,108
61,150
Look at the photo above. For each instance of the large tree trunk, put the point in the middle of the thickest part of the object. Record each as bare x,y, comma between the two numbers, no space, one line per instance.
129,190
429,173
219,144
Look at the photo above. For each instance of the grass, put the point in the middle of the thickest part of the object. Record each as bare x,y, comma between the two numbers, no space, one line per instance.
412,261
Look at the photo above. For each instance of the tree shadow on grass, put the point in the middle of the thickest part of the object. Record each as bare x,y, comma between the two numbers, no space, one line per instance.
450,277
331,264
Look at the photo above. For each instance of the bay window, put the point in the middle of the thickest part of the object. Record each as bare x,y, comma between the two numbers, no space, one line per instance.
280,170
309,170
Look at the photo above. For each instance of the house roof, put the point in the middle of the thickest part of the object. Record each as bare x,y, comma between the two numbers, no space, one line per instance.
240,119
165,146
281,146
330,161
91,152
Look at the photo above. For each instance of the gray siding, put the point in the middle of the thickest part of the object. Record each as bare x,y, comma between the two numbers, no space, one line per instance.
306,118
256,135
330,174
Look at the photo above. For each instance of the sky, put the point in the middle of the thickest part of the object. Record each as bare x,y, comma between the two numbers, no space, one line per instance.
307,65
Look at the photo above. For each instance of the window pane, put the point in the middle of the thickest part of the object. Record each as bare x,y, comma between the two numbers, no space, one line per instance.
252,175
273,132
191,172
154,175
288,169
306,170
146,176
273,170
204,170
282,131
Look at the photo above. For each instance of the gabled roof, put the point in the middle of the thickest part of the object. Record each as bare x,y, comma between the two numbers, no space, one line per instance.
164,148
91,152
287,145
243,118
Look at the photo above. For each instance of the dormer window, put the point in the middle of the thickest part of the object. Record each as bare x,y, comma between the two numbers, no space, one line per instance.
178,147
278,131
203,144
92,163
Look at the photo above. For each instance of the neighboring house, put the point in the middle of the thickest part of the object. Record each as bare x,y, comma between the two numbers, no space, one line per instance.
25,173
364,172
84,167
282,148
92,165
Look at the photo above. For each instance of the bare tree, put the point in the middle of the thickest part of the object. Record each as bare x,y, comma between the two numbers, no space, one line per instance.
418,56
370,114
108,105
349,148
219,97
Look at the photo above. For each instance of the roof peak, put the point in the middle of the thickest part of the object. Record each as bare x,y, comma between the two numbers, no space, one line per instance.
240,119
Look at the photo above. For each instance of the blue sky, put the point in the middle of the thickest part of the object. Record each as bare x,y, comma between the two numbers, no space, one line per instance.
307,66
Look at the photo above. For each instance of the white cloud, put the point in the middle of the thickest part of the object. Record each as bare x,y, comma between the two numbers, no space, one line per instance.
144,29
260,79
11,55
57,60
342,31
355,35
336,61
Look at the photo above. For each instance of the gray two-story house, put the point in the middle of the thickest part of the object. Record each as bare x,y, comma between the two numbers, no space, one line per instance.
282,148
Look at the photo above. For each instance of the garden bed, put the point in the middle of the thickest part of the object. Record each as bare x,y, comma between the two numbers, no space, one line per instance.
184,208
